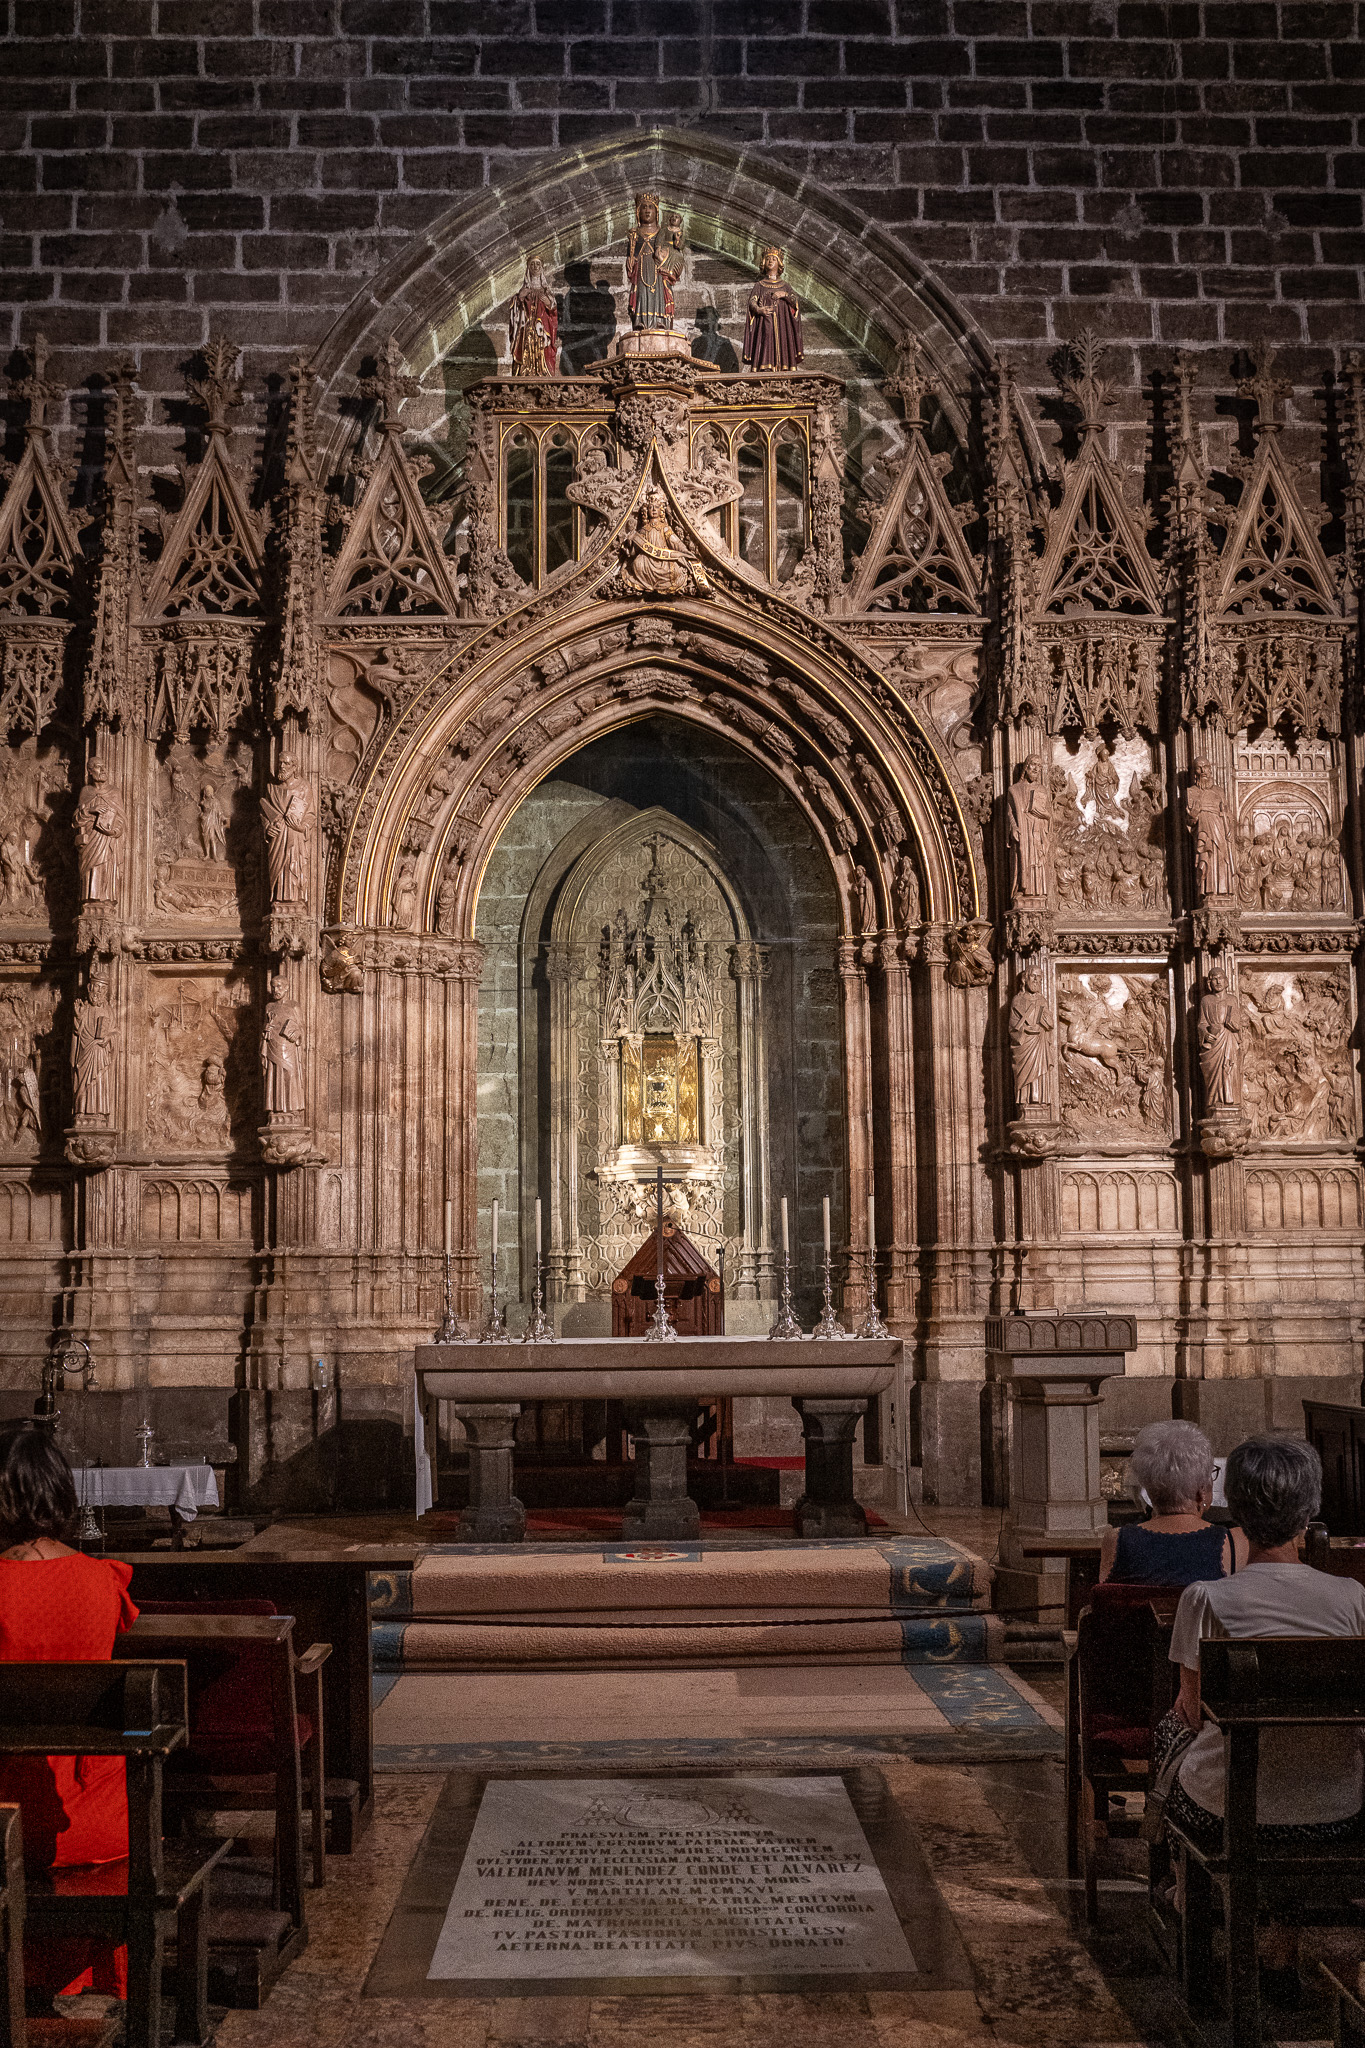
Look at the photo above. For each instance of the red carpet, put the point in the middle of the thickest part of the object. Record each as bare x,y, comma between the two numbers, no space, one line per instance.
574,1525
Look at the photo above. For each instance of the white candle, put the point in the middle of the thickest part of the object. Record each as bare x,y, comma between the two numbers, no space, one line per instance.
495,1230
537,1226
826,1226
786,1248
871,1222
450,1207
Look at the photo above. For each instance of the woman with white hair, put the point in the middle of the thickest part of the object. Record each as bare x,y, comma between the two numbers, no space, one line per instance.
1172,1463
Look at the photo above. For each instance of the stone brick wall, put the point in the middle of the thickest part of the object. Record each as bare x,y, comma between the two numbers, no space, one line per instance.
1183,173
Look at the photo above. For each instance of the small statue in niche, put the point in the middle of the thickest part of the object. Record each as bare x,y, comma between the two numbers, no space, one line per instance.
282,1054
772,330
212,824
905,892
1211,825
285,810
653,266
92,1052
1030,1029
1221,1023
658,565
101,825
533,325
866,896
1031,820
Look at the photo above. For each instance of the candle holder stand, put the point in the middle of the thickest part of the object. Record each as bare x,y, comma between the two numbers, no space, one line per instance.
829,1324
786,1324
659,1329
145,1436
494,1329
539,1328
872,1324
449,1331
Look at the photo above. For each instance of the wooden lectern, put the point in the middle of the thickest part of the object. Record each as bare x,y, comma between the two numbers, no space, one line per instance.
695,1297
692,1289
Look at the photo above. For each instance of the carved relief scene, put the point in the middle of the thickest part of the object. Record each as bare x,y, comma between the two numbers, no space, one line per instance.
1113,1047
207,864
201,1093
1109,832
1301,1067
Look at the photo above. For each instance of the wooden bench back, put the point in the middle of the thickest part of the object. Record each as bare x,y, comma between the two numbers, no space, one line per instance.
105,1709
1287,1680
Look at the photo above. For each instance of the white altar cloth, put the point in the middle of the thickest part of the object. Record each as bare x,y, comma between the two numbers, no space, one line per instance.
186,1488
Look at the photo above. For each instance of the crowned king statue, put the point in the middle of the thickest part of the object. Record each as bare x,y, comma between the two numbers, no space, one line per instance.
653,265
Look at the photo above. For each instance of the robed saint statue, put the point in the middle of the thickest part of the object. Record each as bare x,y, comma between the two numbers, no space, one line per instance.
772,331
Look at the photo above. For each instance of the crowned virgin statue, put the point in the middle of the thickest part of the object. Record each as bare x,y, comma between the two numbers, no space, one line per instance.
653,265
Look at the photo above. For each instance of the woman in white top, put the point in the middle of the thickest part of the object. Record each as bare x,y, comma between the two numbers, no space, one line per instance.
1306,1790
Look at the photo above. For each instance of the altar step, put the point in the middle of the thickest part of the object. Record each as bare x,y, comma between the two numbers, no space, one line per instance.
593,1483
908,1601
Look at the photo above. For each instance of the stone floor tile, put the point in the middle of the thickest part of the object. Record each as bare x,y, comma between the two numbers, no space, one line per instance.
539,2022
419,2023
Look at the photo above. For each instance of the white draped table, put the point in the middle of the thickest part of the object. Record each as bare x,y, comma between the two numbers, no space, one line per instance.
185,1488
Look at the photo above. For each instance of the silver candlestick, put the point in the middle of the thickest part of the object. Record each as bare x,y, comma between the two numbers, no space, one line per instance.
539,1329
494,1329
450,1330
829,1324
872,1324
146,1436
659,1329
786,1324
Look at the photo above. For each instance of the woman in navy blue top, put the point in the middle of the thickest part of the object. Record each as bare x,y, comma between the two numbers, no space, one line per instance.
1172,1462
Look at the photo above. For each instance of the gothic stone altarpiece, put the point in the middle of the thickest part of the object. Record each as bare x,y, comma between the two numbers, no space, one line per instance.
1075,748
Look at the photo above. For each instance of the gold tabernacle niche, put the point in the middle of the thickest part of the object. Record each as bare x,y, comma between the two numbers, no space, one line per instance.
659,1092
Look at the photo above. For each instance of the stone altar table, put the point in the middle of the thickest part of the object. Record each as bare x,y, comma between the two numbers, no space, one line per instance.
1054,1366
829,1382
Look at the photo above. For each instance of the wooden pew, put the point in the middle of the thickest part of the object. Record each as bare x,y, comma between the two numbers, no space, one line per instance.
1337,1433
1348,2013
18,2029
138,1712
1267,1682
327,1592
244,1765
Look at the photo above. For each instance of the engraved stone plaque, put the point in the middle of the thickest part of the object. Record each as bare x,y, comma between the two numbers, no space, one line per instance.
677,1877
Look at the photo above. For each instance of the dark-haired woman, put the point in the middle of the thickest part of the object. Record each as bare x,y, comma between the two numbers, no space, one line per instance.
59,1607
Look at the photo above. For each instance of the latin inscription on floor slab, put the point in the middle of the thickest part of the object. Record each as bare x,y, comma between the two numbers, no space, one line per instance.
676,1877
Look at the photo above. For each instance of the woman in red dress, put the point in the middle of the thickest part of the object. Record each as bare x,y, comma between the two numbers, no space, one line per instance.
58,1607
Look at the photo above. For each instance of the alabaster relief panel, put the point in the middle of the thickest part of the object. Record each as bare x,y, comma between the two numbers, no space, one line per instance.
1288,826
195,1211
1110,827
207,845
1302,1198
203,1083
29,1215
35,869
1299,1064
32,1068
1119,1203
1113,1056
654,932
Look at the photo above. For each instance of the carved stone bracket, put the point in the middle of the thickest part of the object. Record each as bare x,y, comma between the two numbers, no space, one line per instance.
283,1147
1215,926
339,970
1225,1134
99,931
287,936
1027,930
93,1149
1034,1135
